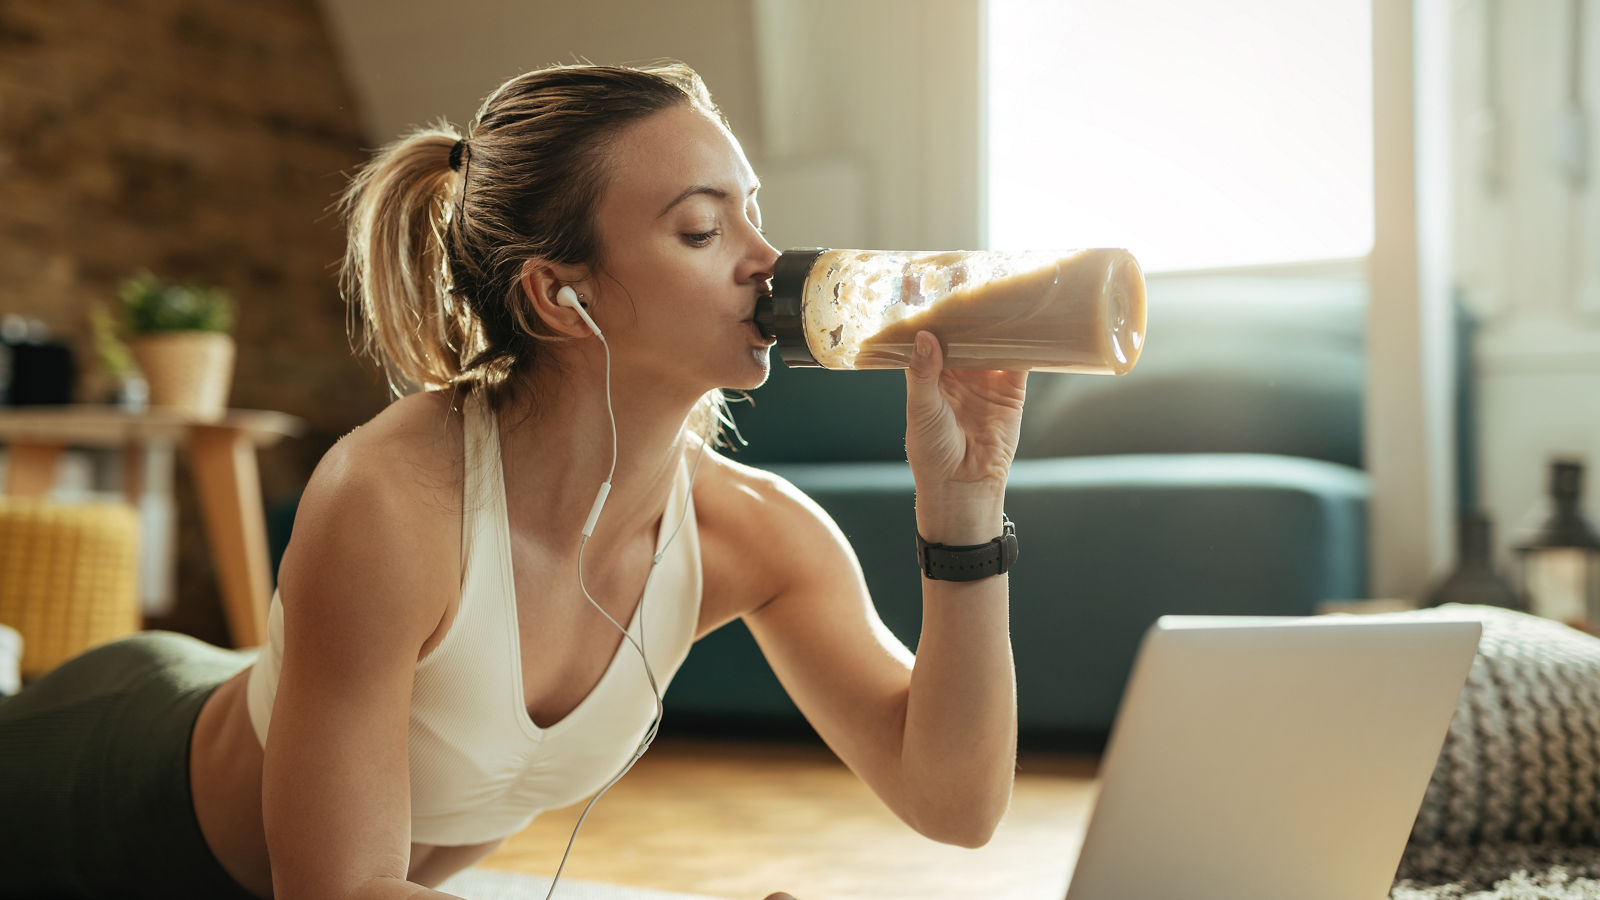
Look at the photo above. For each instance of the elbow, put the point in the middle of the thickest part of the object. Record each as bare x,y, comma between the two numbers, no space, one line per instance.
972,838
969,831
961,819
958,795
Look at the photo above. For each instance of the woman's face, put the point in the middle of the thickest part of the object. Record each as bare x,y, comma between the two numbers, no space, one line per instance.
683,255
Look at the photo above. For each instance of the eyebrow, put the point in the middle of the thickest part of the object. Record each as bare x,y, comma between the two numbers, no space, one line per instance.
718,193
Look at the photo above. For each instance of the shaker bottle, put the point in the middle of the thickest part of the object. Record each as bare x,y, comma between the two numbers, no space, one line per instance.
1081,312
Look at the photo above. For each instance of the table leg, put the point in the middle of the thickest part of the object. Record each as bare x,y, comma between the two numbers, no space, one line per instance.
133,462
31,469
229,487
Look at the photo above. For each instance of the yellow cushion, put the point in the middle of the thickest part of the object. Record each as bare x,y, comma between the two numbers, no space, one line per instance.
69,577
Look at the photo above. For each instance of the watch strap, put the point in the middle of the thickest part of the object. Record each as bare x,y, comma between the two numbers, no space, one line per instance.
970,562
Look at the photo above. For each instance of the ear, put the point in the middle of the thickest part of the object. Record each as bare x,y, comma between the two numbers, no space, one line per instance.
540,281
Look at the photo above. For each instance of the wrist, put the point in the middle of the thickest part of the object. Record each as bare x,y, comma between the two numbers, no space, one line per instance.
961,515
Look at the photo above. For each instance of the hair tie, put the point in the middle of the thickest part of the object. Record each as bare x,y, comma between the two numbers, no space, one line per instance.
455,154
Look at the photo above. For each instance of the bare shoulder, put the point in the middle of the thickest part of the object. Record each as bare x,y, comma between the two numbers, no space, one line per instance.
381,515
411,450
743,498
754,528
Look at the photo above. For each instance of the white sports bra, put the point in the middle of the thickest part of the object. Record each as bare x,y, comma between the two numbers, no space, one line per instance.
480,768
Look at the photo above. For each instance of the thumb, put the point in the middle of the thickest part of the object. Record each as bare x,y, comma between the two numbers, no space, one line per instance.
922,376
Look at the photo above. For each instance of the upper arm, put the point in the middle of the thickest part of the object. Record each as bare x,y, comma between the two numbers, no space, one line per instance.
823,637
364,583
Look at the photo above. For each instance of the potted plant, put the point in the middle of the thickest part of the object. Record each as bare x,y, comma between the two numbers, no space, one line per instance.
128,389
179,334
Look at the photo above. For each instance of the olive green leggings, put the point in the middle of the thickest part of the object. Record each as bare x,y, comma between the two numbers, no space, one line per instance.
94,774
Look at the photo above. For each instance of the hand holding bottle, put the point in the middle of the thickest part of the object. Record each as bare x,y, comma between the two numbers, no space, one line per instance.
962,427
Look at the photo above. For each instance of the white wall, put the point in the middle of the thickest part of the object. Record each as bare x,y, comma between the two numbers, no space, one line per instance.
1528,248
860,116
890,89
411,61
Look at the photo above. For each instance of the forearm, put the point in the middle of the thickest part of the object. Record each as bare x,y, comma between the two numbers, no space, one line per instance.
959,750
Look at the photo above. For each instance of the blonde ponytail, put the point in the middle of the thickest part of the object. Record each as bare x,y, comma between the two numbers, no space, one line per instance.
395,275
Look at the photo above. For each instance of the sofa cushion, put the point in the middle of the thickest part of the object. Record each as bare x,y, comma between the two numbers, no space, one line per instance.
818,415
1232,365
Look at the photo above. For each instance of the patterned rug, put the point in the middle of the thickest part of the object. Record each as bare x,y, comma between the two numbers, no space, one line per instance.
1499,872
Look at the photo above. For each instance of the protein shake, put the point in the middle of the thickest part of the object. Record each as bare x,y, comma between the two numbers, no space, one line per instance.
1080,312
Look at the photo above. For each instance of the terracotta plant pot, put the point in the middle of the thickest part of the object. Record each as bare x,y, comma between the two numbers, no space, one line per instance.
190,371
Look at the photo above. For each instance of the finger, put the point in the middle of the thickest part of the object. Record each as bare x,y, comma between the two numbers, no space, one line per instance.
779,896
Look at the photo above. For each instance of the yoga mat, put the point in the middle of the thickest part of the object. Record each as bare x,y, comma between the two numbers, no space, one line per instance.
490,884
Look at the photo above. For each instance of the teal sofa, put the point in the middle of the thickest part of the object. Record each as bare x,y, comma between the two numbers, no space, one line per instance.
1222,476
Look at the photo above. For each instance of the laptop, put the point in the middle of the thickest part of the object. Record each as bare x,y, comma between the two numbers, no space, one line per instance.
1269,757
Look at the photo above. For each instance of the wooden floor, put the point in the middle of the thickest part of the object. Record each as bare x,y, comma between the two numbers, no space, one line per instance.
741,820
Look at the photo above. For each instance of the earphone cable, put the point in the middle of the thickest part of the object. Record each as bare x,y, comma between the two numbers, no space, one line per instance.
655,561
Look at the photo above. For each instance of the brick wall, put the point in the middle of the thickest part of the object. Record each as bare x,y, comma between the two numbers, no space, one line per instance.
205,141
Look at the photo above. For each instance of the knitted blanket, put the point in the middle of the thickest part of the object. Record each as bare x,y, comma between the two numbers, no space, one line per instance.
1513,807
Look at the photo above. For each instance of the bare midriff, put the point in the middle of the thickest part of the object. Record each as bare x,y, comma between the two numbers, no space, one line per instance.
225,763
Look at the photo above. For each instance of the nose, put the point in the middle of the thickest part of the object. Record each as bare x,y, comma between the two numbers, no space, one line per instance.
762,259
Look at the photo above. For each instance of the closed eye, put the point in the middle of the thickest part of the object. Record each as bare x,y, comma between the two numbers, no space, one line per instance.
700,238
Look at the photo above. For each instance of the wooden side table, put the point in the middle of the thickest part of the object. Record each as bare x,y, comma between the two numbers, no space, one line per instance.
222,456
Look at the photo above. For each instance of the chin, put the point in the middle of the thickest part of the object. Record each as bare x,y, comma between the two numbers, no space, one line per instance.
763,360
754,373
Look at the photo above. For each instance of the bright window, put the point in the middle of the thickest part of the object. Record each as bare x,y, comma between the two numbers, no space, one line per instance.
1196,133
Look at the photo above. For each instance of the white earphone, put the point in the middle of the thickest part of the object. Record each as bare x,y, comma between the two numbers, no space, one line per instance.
569,298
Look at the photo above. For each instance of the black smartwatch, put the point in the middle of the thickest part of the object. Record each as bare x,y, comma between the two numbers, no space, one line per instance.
945,562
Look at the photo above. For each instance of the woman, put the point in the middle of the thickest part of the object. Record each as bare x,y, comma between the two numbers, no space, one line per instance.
437,671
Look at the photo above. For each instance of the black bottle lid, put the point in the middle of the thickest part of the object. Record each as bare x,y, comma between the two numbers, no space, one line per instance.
778,316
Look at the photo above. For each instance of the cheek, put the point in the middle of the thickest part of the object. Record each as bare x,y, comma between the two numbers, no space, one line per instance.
689,283
667,266
673,287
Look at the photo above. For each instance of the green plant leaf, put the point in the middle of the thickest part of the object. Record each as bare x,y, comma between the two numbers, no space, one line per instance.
151,304
113,353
